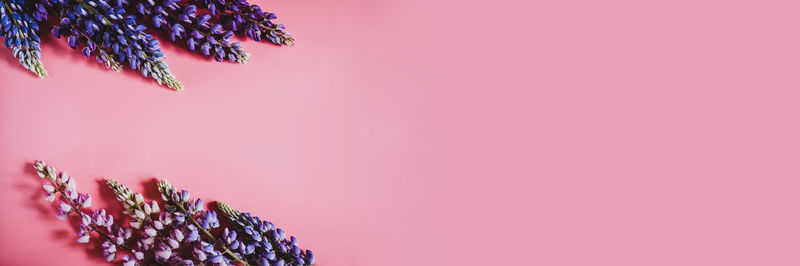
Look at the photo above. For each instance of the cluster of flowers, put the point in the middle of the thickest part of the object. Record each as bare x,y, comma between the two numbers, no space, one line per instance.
177,231
21,34
112,31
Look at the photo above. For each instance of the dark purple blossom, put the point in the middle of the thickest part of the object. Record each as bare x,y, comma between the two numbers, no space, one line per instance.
181,22
102,28
243,18
21,34
105,30
263,242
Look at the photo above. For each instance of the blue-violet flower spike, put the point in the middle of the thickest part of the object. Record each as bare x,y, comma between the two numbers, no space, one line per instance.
21,34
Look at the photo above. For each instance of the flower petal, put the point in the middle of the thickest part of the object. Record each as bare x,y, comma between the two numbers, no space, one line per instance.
83,239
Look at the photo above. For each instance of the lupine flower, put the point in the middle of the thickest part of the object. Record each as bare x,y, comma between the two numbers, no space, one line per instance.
269,243
191,211
160,236
133,204
244,18
182,22
180,233
102,29
113,235
21,34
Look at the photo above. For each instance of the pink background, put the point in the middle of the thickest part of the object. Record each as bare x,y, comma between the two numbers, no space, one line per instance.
447,133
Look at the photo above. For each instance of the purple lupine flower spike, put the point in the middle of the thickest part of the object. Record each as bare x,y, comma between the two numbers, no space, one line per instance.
270,245
113,235
245,19
103,29
207,247
160,237
182,22
179,233
21,34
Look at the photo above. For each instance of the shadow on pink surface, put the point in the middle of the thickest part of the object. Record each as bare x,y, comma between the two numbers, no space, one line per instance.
12,63
109,199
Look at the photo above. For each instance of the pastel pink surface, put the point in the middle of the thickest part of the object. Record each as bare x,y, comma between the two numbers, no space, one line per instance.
446,133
